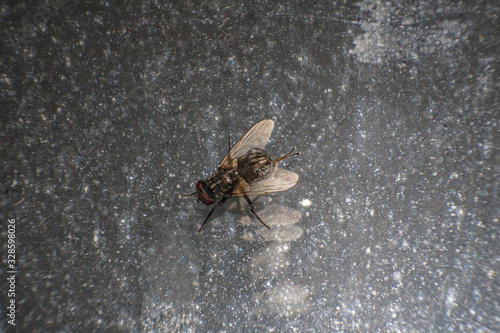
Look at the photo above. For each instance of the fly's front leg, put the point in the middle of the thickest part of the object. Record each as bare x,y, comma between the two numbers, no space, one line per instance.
254,213
210,214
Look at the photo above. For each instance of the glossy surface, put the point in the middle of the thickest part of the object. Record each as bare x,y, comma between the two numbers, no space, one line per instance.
113,111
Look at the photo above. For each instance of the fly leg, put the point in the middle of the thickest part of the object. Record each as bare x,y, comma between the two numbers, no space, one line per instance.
254,213
290,154
210,214
187,195
229,142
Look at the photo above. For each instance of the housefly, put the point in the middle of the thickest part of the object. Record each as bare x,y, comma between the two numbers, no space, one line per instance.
246,170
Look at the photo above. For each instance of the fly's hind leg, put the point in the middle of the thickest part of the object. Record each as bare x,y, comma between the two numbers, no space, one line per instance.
254,213
290,154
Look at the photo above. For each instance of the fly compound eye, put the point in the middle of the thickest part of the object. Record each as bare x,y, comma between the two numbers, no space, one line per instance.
203,196
199,186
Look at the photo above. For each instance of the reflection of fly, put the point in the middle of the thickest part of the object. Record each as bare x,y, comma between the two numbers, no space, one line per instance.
246,170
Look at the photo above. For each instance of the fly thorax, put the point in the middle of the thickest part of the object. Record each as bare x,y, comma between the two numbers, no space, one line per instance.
221,182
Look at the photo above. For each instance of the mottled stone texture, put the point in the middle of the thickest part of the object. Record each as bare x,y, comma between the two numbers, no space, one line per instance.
111,110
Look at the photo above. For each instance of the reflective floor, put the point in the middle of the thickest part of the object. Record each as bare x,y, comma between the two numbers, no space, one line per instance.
113,111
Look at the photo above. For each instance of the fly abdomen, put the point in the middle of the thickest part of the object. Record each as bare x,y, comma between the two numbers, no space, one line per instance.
255,166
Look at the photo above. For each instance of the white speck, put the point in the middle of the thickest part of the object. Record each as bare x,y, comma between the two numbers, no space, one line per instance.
397,276
67,61
306,202
368,250
450,298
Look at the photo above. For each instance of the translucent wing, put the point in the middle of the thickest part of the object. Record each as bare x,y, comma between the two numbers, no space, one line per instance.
279,180
256,137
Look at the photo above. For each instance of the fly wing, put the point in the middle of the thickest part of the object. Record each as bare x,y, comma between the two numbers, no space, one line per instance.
279,180
256,137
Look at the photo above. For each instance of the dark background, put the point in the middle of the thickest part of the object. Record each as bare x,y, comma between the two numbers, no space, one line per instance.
110,111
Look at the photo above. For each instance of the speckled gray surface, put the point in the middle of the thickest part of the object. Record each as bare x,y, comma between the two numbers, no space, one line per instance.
109,112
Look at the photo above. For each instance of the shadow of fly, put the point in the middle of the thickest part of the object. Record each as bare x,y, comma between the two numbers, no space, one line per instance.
246,170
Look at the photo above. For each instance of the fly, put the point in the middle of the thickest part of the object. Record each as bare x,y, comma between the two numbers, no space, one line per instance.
246,170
